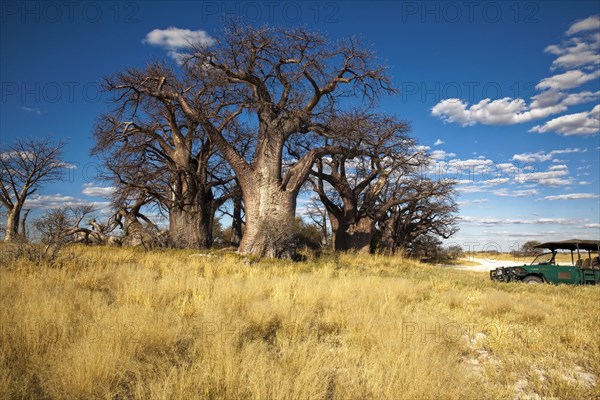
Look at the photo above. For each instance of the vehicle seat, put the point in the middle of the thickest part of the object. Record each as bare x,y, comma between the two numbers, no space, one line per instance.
579,263
587,264
596,263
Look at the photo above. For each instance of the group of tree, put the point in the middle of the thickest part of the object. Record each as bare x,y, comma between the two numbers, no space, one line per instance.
246,124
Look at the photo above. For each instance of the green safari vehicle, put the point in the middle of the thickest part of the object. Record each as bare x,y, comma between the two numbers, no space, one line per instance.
582,270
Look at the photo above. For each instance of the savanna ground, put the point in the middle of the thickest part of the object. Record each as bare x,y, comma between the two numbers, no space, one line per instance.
123,323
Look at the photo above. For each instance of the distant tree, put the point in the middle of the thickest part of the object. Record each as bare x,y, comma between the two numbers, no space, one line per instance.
79,212
24,168
528,248
427,209
316,211
454,252
308,235
55,229
426,247
358,186
138,229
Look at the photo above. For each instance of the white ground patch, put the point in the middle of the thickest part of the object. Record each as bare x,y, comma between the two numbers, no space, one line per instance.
487,265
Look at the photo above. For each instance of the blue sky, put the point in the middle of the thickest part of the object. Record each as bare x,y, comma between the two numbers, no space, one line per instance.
505,94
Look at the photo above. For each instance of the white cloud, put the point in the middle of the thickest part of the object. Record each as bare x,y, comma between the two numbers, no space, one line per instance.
452,110
175,39
507,111
439,142
527,235
58,200
89,189
441,155
470,202
589,23
578,124
541,156
515,193
532,157
567,80
520,221
495,182
578,51
35,110
580,98
556,175
551,99
65,165
575,54
471,189
573,196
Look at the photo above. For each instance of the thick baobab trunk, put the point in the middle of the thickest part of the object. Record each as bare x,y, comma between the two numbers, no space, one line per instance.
388,242
270,208
190,227
270,215
349,235
191,212
12,224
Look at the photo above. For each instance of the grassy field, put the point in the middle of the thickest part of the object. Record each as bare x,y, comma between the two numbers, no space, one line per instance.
122,323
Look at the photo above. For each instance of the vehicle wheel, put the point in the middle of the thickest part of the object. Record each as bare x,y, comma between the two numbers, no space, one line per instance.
533,279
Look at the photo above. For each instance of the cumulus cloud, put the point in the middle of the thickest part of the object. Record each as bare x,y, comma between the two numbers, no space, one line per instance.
175,39
514,193
519,221
574,53
452,110
581,50
509,111
573,196
90,189
441,155
439,142
541,156
58,200
589,23
472,202
567,80
556,175
471,189
578,124
578,54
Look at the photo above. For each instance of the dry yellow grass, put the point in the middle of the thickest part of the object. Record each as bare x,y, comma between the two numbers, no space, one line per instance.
122,323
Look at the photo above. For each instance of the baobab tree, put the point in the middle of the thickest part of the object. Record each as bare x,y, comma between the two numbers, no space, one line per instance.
279,84
148,145
358,187
428,208
24,168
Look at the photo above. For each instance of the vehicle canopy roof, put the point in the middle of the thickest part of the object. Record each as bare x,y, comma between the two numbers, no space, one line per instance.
572,244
